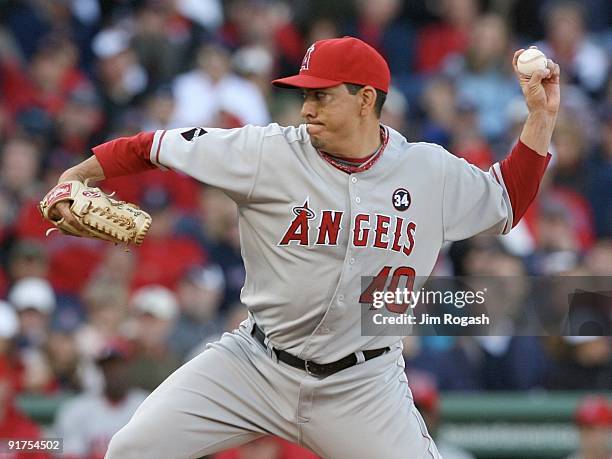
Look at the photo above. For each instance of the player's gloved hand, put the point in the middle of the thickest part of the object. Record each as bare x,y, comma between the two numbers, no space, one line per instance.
80,210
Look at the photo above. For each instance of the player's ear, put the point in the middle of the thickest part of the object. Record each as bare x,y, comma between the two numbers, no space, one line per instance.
368,99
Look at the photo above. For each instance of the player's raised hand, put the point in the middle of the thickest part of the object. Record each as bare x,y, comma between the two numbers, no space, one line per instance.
541,89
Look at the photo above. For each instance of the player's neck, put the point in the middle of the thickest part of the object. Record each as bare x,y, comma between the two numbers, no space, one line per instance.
364,143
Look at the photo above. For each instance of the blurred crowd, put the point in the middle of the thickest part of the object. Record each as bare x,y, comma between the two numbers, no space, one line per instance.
75,73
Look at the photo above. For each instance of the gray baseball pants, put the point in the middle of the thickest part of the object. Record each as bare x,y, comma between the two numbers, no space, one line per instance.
235,392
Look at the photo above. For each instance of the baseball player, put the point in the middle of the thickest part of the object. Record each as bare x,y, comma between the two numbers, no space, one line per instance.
320,206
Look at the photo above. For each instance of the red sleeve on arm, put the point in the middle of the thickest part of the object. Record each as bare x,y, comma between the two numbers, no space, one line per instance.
125,155
522,171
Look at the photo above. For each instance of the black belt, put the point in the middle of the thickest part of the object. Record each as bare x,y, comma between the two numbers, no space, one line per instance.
312,368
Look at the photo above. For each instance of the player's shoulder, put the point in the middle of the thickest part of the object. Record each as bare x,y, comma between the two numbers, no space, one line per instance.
424,151
288,134
426,148
272,131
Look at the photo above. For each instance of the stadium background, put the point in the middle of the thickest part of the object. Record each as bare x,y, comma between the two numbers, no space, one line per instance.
74,73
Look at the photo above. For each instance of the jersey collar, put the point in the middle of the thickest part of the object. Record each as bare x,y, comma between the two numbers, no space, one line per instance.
355,168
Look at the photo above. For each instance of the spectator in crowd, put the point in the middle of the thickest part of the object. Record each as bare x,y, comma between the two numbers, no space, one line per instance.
155,310
597,260
439,104
161,40
255,63
27,258
582,363
14,425
200,295
87,422
504,359
10,365
31,19
583,62
122,78
558,247
216,228
9,327
159,109
600,178
483,76
164,255
105,303
19,165
571,154
594,420
395,111
34,299
427,400
116,267
205,13
320,28
64,255
467,140
51,75
64,360
212,88
378,23
79,122
437,41
267,24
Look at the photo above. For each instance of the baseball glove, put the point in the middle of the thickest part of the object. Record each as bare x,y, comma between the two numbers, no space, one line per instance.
99,215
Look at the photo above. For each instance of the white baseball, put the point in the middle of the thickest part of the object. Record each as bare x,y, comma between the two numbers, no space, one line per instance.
531,60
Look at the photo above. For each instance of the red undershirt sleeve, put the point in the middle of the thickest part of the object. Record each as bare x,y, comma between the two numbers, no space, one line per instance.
522,172
125,155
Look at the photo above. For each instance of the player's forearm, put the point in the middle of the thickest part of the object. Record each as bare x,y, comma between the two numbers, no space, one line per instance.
125,155
537,131
122,156
88,169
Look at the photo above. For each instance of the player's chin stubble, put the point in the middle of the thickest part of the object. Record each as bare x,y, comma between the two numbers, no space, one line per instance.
316,142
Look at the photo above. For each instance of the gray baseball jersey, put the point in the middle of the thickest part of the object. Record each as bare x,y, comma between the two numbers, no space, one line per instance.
310,231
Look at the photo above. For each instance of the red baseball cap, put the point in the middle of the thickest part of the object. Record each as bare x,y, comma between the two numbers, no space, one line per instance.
339,60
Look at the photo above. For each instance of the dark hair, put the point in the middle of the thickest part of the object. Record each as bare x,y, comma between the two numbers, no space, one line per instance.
381,96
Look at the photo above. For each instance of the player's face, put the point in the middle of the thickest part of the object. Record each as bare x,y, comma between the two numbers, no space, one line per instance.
332,116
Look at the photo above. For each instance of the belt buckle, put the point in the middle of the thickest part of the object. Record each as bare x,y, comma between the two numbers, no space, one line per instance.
314,369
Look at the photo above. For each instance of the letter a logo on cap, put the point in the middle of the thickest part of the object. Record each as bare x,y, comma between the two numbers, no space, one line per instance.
306,61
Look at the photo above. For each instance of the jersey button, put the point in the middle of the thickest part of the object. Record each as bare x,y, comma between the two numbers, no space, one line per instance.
357,199
351,261
354,179
340,298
